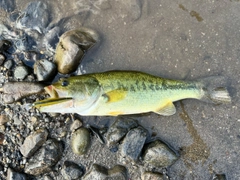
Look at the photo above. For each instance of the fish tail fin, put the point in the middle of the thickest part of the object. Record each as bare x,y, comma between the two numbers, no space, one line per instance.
214,90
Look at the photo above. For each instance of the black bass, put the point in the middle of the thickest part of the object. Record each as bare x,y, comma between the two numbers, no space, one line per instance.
125,92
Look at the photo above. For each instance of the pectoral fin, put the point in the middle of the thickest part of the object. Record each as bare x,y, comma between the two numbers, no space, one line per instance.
167,110
115,95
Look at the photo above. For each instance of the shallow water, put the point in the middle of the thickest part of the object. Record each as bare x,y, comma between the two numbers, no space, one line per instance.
173,39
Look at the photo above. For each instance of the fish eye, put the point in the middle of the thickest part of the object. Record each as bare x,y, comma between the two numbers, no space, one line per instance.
64,83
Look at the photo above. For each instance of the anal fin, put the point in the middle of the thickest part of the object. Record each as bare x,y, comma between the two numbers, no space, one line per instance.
167,110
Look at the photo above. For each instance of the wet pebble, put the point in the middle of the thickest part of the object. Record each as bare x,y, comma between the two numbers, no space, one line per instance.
3,119
35,17
12,175
7,5
44,69
46,157
20,72
152,176
8,64
72,171
71,48
2,59
132,144
158,154
33,142
119,129
4,45
118,172
75,125
80,141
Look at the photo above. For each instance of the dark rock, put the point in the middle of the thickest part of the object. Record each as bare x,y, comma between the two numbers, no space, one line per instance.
98,172
119,129
158,154
2,59
46,157
72,171
51,38
20,72
80,141
4,45
152,176
12,175
71,48
7,5
97,133
36,16
8,64
44,69
33,142
133,142
219,177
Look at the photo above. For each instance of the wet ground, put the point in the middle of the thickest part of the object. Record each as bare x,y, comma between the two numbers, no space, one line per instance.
172,39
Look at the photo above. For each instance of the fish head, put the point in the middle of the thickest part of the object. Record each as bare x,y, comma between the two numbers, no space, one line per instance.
77,92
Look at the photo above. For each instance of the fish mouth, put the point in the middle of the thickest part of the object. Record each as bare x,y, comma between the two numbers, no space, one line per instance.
51,91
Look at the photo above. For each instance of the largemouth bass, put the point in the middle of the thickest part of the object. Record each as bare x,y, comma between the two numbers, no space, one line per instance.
125,92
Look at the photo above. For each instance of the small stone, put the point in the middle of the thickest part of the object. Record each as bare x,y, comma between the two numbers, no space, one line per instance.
158,154
7,5
132,144
44,69
98,172
12,175
46,157
119,129
33,142
75,125
3,119
219,177
20,72
8,64
152,176
134,8
80,141
2,137
72,171
2,59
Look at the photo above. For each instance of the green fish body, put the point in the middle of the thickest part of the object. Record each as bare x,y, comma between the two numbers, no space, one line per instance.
124,92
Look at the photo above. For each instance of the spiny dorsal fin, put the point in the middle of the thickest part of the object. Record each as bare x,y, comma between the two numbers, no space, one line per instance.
167,110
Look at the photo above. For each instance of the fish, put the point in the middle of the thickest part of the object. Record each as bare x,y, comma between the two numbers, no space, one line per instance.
114,93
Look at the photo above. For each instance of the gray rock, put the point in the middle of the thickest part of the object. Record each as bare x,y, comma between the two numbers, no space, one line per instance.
72,171
7,5
12,175
158,154
46,157
33,142
132,144
36,16
44,69
20,72
152,176
119,129
14,91
2,59
8,64
98,172
71,48
80,141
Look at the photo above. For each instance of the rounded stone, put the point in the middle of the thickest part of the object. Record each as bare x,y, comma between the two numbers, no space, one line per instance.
44,69
80,141
20,72
8,64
